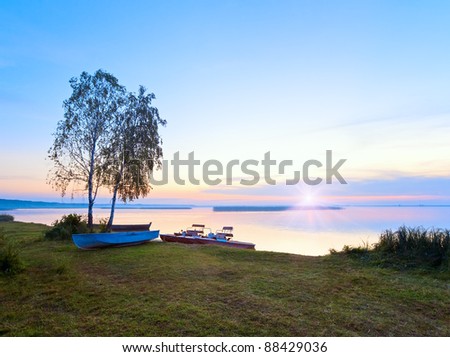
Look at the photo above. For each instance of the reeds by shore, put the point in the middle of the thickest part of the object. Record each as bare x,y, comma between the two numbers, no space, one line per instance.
409,246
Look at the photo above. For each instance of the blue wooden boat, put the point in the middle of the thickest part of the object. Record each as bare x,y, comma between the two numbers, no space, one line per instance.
90,241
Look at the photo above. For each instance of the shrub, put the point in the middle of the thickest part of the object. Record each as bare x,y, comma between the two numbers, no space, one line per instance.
10,261
427,246
6,218
407,247
64,228
102,223
362,249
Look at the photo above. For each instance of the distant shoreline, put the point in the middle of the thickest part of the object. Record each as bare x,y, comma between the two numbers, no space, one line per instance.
11,205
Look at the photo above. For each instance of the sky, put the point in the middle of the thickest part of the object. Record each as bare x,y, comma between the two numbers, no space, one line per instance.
368,80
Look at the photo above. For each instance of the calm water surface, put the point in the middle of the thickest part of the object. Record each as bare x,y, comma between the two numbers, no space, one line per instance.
310,232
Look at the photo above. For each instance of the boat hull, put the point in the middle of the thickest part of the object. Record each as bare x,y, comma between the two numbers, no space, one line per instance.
90,241
200,240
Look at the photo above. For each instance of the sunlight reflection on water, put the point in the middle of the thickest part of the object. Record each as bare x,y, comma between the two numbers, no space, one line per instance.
308,232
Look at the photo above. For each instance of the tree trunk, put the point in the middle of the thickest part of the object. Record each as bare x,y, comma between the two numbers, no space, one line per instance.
113,206
91,198
90,202
90,214
114,198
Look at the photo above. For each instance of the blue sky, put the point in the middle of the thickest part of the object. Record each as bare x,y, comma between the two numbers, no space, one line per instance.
369,80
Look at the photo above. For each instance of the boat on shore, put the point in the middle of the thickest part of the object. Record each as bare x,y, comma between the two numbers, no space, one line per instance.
127,227
196,235
121,235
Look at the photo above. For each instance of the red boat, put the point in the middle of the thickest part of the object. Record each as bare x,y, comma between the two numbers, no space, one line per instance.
196,235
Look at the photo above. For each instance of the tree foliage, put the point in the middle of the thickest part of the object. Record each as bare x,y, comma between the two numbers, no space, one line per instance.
135,149
108,137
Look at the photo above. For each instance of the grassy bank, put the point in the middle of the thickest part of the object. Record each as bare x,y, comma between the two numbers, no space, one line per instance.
160,289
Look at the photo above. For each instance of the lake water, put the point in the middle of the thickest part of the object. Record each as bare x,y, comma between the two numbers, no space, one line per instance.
307,232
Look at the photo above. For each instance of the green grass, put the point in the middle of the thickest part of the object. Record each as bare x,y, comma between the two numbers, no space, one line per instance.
162,289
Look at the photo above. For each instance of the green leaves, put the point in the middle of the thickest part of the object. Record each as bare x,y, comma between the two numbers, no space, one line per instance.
135,149
108,137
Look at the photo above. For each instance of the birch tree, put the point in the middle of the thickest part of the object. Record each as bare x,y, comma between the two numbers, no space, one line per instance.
134,150
81,138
